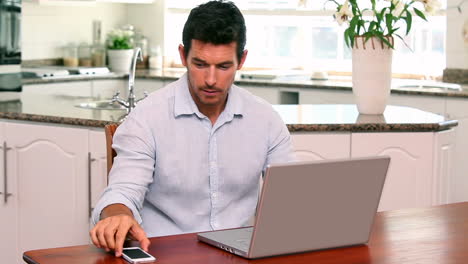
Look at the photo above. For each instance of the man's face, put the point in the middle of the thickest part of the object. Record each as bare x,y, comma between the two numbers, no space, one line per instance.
211,70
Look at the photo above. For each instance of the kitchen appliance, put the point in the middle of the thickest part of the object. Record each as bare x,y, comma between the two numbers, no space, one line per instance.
10,47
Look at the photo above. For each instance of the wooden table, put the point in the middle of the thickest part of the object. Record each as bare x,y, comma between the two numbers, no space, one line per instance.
427,235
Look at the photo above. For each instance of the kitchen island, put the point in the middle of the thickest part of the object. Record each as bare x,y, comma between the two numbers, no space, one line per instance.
55,160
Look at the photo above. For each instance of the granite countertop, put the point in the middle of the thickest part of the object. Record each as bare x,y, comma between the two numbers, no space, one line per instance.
61,109
335,83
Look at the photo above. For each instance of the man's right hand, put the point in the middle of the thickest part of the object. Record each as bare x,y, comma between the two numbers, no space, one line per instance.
110,233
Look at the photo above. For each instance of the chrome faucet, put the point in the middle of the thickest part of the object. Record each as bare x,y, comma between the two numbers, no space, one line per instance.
131,102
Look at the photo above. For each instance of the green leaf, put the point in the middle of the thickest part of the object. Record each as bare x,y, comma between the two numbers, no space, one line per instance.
404,42
393,31
389,21
372,25
419,13
379,16
385,40
352,24
346,37
408,20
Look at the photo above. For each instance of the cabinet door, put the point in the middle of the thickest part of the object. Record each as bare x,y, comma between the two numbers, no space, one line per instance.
8,212
444,184
98,164
321,146
458,109
50,166
431,104
409,178
148,85
269,94
324,96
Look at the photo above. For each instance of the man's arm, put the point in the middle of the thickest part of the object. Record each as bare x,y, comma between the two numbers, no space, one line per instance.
280,145
116,222
117,213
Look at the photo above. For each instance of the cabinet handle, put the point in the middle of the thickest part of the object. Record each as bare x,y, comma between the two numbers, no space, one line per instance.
5,178
90,206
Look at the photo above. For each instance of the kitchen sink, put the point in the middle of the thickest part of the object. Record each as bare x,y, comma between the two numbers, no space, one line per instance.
101,105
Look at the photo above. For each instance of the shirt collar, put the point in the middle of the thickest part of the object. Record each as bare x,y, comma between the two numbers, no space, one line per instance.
184,104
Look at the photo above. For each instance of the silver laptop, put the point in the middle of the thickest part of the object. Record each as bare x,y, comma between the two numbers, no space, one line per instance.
308,206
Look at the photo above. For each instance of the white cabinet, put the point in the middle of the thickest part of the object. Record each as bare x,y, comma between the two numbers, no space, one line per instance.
46,169
322,96
270,94
98,164
321,146
8,207
416,175
433,104
148,85
457,108
420,172
445,184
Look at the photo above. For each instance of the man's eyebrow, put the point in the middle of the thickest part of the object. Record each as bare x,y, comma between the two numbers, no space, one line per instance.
198,60
229,62
226,62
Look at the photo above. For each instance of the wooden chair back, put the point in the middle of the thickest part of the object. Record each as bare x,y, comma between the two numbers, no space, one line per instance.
110,131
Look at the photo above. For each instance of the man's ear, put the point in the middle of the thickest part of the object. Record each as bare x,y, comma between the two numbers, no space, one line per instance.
244,56
182,55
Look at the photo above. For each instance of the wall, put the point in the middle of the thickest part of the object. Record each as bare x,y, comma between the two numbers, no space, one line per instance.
457,46
149,18
47,28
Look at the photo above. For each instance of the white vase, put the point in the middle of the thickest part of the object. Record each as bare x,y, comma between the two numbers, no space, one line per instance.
372,74
120,60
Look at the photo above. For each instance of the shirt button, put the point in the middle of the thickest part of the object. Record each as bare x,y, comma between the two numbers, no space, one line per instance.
212,164
214,195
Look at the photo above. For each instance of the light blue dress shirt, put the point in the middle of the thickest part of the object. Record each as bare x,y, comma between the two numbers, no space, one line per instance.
178,173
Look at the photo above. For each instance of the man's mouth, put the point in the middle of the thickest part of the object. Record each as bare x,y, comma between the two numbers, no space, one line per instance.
207,91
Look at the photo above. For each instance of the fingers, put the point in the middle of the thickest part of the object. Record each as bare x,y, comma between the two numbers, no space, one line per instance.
119,240
97,236
145,243
110,232
139,234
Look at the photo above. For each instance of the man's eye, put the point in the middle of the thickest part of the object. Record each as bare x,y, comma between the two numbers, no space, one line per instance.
224,67
198,64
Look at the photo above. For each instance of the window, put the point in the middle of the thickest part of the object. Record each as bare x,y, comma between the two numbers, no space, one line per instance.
282,35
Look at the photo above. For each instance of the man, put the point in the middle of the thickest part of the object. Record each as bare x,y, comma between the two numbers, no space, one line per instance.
190,156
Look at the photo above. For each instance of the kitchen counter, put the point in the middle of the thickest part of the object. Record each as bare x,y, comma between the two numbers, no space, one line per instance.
334,83
61,109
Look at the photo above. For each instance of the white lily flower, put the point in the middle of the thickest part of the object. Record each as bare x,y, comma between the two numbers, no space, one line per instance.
431,6
399,7
344,14
302,3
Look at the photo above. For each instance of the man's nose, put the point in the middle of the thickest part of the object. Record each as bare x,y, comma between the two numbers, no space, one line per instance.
210,78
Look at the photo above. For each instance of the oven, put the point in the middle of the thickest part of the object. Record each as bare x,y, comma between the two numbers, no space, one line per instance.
10,46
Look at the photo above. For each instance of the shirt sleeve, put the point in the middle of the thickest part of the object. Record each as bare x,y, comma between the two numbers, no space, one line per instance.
279,145
133,167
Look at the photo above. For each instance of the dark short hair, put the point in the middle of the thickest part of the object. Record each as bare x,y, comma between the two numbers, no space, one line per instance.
216,22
